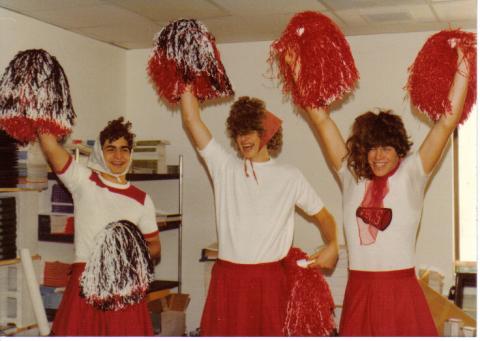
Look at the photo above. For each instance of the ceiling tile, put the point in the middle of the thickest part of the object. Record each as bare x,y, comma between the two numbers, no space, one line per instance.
254,28
44,5
243,7
356,4
122,33
89,17
167,10
386,15
456,10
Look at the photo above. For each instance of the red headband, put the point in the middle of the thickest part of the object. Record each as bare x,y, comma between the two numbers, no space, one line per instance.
271,124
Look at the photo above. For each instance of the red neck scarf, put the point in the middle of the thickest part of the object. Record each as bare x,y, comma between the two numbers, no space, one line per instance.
371,215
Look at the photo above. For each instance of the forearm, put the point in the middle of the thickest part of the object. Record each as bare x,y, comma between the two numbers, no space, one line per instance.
327,255
327,226
56,155
154,250
192,120
330,136
458,92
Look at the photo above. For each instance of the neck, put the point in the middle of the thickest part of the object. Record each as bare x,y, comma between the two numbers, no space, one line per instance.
262,155
121,179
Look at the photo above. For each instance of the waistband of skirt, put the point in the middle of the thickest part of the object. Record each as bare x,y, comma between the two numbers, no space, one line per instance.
403,273
241,266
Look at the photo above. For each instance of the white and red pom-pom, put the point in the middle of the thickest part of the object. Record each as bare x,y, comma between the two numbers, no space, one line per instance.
35,97
432,73
327,69
310,304
119,270
186,53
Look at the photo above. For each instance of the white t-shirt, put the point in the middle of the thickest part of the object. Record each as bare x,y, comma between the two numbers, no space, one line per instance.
98,202
255,221
394,247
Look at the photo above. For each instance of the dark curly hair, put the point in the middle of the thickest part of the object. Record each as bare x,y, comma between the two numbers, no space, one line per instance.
373,130
116,129
246,115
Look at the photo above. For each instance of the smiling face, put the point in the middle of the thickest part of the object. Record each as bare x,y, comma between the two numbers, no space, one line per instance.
249,146
117,155
382,159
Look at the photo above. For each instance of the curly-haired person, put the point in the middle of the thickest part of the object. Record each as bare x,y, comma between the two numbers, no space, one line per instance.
383,191
101,195
255,199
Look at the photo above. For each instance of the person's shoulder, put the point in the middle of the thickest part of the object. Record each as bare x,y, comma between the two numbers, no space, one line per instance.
288,168
137,194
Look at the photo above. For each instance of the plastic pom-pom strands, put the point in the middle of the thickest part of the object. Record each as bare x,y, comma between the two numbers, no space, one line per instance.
119,270
310,304
186,53
35,97
327,69
432,73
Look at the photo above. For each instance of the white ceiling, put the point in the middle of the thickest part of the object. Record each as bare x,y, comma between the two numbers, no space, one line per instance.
132,24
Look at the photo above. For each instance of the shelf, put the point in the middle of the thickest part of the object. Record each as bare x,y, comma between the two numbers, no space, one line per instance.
148,177
56,238
168,225
16,260
158,285
44,231
136,176
18,189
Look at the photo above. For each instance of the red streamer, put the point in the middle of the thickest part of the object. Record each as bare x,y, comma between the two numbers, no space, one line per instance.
431,75
186,53
327,69
310,304
24,129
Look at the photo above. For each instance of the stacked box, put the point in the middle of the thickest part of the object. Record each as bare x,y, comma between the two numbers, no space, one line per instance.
149,157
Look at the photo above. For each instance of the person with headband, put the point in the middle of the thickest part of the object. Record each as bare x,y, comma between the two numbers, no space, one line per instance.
255,199
102,196
383,187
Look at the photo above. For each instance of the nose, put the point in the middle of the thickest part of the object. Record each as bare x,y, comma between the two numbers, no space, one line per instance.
117,154
378,153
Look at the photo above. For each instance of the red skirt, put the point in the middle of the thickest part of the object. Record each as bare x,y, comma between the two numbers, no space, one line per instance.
75,317
245,300
389,303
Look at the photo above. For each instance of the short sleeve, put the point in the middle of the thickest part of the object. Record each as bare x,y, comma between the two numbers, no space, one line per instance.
415,171
215,156
148,222
307,199
73,174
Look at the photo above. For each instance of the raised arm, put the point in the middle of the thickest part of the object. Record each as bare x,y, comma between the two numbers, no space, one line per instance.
326,257
433,145
330,136
56,155
335,148
192,120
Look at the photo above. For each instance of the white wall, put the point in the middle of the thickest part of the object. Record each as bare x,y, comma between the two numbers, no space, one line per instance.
382,61
96,74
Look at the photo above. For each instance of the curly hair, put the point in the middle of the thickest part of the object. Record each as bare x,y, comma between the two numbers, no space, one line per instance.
246,115
117,129
373,130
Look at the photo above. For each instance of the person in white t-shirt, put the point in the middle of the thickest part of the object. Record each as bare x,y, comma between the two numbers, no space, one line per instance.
255,199
383,190
101,195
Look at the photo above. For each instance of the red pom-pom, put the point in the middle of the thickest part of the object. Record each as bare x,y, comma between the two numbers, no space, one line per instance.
432,73
186,53
310,304
327,69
